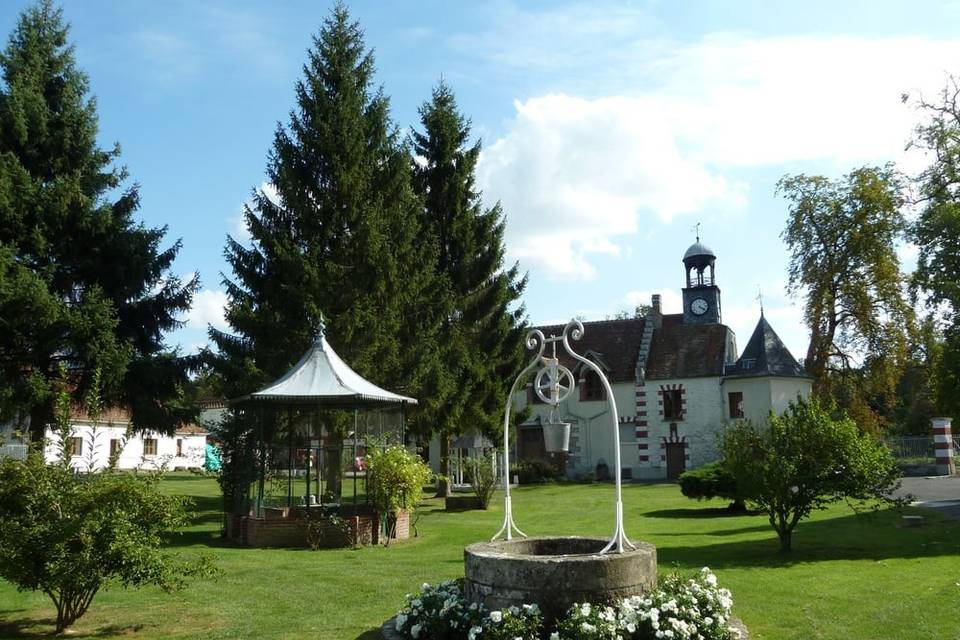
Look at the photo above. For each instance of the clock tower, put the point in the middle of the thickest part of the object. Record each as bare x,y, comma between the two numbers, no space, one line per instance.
701,295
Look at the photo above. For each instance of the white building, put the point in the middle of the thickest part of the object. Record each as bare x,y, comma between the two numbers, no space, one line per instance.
91,445
677,381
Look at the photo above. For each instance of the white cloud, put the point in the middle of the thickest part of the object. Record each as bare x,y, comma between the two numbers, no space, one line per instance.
208,309
578,175
574,174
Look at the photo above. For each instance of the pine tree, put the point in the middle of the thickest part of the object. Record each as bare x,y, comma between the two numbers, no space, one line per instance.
481,322
339,240
86,286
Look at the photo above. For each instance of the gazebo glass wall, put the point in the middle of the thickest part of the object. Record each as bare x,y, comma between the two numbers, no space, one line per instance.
315,457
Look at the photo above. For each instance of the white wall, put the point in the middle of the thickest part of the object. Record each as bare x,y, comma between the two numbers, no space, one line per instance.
96,449
702,422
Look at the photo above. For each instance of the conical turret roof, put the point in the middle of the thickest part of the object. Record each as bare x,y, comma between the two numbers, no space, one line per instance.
766,355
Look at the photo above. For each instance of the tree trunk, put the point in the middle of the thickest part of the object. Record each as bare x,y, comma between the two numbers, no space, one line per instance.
445,483
786,540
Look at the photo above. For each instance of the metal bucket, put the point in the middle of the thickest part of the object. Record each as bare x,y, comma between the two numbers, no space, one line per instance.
556,437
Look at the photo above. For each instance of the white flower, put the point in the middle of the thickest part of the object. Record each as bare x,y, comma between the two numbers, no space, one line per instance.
401,620
474,632
415,631
496,616
554,636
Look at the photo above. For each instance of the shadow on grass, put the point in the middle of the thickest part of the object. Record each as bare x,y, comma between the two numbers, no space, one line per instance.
43,628
370,634
703,512
871,536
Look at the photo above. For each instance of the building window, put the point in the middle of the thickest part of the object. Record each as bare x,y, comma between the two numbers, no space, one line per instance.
114,447
76,446
179,447
672,404
149,446
736,404
590,387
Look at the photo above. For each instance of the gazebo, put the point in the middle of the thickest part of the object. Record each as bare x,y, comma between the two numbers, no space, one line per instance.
305,445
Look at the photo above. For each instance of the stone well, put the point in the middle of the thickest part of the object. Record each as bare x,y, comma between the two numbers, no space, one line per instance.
555,572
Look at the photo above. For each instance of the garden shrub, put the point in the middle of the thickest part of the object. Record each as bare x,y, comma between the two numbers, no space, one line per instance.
395,481
483,478
535,472
712,480
803,461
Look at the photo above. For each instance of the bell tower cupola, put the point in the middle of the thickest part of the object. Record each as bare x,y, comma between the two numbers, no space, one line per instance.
701,295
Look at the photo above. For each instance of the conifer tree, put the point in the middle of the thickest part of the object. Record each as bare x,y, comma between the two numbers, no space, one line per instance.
481,321
338,240
82,284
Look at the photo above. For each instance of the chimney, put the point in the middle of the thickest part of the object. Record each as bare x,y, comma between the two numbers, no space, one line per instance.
656,313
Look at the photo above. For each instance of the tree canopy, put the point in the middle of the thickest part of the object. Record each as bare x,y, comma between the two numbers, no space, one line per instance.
480,319
842,237
804,460
67,227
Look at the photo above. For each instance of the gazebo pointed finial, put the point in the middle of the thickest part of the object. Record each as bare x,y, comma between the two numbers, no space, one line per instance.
320,330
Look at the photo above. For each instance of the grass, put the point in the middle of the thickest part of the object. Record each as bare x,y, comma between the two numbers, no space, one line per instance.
850,577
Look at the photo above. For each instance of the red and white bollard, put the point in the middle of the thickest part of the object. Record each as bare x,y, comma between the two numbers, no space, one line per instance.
943,446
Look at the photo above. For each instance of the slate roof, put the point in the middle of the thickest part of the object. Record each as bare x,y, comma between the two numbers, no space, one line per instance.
687,351
766,355
614,343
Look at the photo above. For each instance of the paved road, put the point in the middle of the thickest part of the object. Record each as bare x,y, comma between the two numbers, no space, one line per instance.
936,492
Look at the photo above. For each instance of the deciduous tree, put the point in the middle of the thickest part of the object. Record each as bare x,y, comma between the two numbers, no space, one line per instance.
805,460
842,236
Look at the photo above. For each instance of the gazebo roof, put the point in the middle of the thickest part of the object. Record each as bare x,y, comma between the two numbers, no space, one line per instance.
321,378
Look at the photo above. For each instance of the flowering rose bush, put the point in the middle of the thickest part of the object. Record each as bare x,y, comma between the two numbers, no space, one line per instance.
678,609
585,621
439,612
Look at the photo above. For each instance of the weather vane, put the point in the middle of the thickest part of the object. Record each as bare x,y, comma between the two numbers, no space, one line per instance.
696,230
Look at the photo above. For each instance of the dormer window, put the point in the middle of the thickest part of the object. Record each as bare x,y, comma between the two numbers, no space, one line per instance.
590,387
747,363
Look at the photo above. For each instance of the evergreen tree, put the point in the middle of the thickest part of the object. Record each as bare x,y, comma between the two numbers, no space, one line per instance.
82,284
339,240
481,323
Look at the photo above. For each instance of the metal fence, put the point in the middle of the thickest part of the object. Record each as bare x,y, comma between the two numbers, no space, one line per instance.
913,449
15,451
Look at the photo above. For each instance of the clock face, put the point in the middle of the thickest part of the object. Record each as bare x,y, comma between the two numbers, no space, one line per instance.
699,306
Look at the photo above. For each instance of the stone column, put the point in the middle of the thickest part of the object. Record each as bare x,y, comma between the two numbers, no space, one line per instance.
943,446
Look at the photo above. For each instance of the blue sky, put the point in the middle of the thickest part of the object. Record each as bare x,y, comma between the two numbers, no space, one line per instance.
610,129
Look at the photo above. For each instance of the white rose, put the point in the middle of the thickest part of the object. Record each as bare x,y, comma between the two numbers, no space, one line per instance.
554,636
415,631
401,620
496,616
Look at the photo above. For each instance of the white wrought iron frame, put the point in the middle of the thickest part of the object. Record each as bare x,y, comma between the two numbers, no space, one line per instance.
553,371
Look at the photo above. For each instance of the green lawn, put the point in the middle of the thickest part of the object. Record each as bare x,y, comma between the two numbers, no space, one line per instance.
849,577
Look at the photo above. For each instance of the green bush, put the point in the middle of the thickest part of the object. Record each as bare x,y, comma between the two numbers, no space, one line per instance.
483,479
805,460
534,472
395,480
71,535
712,480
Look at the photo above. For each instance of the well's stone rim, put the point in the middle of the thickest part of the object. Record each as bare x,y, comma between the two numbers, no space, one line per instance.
500,549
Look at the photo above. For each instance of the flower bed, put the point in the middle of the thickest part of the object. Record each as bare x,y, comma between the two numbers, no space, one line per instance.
680,608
